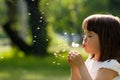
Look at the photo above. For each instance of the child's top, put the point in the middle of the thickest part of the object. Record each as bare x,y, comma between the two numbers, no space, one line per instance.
93,66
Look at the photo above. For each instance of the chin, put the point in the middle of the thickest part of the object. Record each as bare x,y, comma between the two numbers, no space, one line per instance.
89,52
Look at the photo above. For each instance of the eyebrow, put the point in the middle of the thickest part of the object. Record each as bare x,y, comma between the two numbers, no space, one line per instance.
88,32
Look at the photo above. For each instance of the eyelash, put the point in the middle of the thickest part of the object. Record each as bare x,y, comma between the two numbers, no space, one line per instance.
87,36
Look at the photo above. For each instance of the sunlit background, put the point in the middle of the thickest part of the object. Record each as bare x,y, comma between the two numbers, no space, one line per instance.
36,35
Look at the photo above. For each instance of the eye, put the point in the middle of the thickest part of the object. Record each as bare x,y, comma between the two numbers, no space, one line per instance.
89,35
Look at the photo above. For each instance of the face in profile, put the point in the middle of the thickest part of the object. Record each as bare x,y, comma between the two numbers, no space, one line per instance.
91,42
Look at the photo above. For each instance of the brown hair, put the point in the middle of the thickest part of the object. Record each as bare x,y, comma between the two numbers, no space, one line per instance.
107,27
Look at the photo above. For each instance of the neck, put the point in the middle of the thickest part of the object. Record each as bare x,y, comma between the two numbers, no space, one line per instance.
95,57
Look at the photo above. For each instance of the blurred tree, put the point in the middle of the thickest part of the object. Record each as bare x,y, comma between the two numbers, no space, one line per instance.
37,27
114,7
66,16
3,11
62,15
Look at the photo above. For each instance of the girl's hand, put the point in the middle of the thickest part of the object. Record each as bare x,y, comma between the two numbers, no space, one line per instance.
73,66
75,59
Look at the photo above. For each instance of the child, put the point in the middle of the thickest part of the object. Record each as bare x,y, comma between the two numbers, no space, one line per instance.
102,43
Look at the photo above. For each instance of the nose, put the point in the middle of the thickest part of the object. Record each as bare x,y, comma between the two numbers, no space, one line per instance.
83,44
84,41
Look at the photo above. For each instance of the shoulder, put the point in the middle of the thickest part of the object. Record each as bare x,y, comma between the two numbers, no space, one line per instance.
108,70
106,74
111,64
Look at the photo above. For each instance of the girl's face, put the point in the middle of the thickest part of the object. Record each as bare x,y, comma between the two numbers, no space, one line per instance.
91,43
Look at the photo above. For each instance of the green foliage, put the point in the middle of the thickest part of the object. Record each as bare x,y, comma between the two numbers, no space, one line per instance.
114,7
57,42
62,14
33,68
3,12
95,6
10,52
67,15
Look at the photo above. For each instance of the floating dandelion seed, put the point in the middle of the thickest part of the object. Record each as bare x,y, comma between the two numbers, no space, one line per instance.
29,14
43,12
46,39
59,55
58,64
57,51
54,53
38,28
1,57
65,33
56,56
41,17
75,44
34,40
35,36
53,62
33,0
63,56
40,20
72,34
63,50
47,4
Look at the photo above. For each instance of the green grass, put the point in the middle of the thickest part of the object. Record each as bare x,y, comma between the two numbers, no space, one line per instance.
15,66
34,68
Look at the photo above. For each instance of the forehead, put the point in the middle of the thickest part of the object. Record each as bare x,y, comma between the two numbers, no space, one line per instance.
89,32
86,31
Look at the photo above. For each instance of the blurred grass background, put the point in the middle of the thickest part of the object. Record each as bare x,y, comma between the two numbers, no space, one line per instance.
15,65
33,68
19,67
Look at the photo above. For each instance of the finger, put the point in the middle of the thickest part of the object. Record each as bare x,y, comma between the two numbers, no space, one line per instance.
71,52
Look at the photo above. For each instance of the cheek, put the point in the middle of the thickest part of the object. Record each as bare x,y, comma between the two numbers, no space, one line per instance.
91,45
95,46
